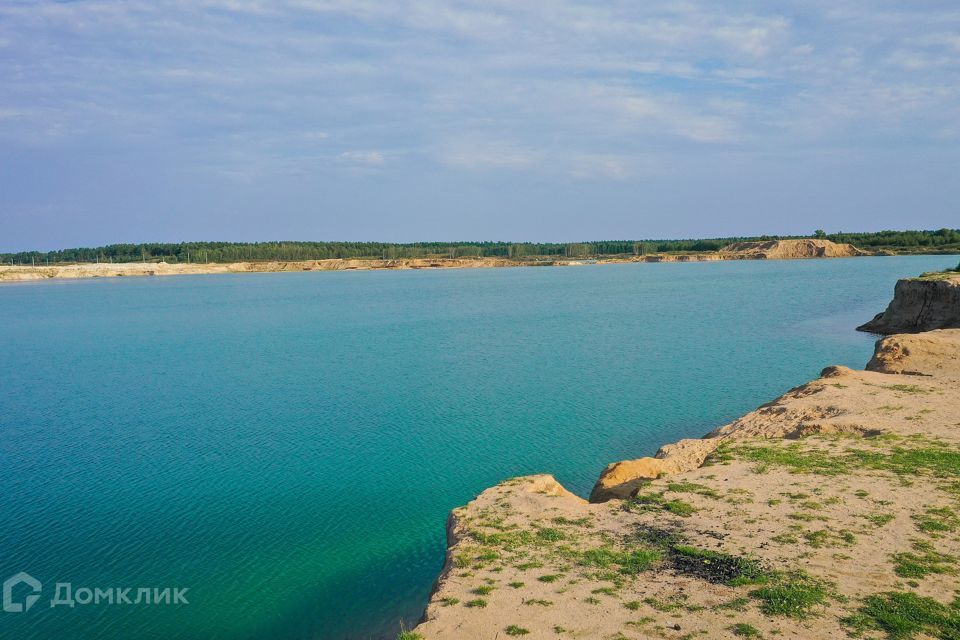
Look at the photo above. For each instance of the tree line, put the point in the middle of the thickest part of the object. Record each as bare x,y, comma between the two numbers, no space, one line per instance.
940,241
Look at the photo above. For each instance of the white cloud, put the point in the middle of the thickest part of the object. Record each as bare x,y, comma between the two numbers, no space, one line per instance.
362,158
475,152
532,83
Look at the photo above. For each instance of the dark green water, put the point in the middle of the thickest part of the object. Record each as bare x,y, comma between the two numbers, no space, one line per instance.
287,446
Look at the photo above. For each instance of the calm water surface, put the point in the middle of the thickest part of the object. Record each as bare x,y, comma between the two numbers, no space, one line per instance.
288,445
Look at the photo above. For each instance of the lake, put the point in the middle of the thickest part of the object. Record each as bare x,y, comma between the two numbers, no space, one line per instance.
287,446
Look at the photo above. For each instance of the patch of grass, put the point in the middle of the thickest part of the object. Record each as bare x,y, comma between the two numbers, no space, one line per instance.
639,560
540,602
508,540
591,600
514,630
878,519
631,562
532,564
940,461
409,635
907,388
578,522
449,602
927,560
633,605
665,606
516,585
642,622
936,520
744,630
551,577
785,538
549,534
793,595
903,615
656,501
693,487
737,604
485,590
806,517
794,458
478,603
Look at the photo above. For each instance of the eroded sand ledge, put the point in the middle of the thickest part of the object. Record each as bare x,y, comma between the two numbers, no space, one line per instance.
797,521
920,304
772,250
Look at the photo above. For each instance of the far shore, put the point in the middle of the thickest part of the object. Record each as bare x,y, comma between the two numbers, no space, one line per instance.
773,250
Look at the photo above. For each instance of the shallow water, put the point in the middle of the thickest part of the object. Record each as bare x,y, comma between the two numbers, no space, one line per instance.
287,446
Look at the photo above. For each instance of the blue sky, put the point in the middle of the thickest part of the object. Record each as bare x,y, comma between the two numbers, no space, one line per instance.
427,120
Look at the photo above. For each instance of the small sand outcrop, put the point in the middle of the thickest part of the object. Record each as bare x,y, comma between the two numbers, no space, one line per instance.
920,304
935,353
789,250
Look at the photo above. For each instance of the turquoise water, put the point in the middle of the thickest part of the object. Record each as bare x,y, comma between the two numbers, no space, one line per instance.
287,446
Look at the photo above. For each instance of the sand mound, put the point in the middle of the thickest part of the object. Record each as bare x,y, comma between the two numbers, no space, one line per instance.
790,249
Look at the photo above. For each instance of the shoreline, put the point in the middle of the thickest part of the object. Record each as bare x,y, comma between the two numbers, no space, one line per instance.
799,510
772,250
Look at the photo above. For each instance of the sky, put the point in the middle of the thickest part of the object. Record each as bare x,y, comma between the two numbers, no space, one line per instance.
550,120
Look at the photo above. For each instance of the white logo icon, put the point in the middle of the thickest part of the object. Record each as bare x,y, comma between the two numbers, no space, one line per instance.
21,578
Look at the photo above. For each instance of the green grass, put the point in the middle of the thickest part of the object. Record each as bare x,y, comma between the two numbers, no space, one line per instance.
793,595
907,388
927,560
744,630
693,487
794,458
785,538
409,635
478,603
878,519
578,522
508,540
902,616
664,606
549,534
633,605
514,630
485,590
629,562
542,603
516,585
940,461
553,577
937,520
656,501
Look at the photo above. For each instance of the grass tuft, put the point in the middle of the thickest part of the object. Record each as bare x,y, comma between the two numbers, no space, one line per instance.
902,616
793,595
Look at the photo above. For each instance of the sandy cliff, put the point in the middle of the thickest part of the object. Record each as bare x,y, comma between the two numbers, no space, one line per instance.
830,511
789,249
920,304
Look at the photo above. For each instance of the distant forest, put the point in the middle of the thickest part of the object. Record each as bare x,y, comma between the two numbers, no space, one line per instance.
941,241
